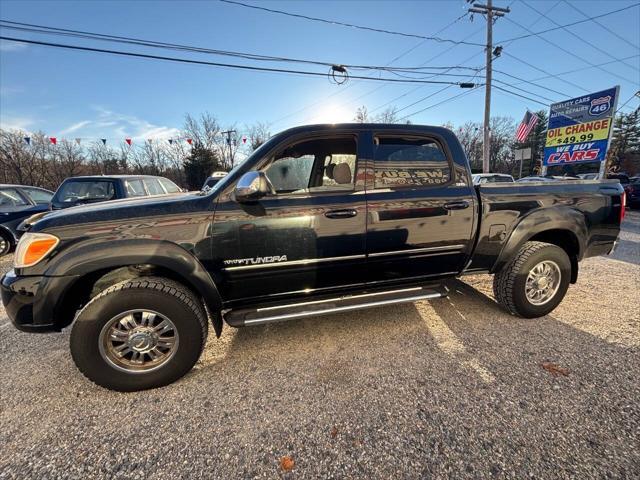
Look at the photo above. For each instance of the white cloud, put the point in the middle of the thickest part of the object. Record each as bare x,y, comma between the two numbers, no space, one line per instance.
130,126
75,126
9,46
15,123
106,124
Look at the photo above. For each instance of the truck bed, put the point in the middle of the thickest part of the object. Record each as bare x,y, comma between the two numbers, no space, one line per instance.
512,213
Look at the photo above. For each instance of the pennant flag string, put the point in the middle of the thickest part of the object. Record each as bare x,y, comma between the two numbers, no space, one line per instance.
129,141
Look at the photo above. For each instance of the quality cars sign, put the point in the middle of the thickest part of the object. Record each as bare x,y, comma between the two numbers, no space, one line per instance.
579,129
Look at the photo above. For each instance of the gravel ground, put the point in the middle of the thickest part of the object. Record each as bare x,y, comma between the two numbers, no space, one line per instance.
449,388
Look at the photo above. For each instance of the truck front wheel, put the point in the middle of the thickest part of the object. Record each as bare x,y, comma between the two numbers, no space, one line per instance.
143,333
6,243
535,281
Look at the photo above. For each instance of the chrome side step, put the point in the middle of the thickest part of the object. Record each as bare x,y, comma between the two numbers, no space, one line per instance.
260,315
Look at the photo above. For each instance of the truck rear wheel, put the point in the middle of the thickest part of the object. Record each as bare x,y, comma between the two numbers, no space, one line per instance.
143,333
535,281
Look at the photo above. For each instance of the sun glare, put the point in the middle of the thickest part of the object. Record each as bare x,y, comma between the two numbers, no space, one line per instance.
333,113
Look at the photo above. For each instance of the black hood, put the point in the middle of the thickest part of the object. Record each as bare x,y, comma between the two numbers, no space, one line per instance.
128,208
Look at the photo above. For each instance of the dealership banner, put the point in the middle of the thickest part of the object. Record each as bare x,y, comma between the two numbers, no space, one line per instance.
579,129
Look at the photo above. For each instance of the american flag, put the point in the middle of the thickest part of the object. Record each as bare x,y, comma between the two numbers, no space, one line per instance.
524,129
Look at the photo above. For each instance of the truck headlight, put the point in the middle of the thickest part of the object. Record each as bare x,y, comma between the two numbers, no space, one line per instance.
32,248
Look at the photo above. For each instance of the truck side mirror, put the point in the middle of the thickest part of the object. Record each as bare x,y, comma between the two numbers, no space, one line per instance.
252,186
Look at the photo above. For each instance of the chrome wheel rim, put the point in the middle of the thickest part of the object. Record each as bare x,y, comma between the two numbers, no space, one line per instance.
138,341
543,282
4,245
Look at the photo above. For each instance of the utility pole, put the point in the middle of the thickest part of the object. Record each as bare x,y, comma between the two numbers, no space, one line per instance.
491,13
228,134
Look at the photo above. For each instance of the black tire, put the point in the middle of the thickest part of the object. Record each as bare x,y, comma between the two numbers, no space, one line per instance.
510,282
6,243
161,295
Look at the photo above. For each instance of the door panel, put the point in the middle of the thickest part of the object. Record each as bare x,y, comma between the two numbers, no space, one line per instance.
308,237
420,218
288,244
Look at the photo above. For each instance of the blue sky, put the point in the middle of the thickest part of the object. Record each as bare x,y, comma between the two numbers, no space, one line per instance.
79,94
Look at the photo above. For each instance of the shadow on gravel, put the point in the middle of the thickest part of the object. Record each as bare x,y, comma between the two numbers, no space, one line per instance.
466,331
627,251
452,387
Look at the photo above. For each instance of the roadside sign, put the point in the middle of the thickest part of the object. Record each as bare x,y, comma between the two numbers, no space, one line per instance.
579,129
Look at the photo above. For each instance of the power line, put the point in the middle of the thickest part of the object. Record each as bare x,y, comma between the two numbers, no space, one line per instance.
582,39
588,19
637,94
531,82
421,99
446,100
612,32
573,54
406,52
549,75
557,75
409,92
351,25
216,64
520,95
48,30
523,90
445,88
585,68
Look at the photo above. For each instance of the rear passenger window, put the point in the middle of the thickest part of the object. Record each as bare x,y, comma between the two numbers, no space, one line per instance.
409,162
153,186
135,188
169,186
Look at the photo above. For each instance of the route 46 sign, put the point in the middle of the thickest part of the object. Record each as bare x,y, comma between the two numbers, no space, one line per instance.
579,129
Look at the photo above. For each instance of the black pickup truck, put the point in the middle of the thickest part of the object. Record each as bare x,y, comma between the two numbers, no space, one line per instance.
319,219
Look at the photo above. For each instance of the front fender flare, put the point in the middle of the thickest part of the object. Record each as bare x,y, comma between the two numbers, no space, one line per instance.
91,256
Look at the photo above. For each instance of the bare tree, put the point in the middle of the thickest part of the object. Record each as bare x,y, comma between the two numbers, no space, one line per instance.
102,159
67,161
22,162
204,131
362,115
388,115
470,136
258,134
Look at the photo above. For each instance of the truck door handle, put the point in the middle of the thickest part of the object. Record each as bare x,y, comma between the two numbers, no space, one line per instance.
457,205
348,213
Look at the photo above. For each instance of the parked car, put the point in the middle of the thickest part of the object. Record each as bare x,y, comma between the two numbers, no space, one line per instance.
589,176
623,178
633,192
319,219
99,188
481,178
18,202
211,181
548,178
